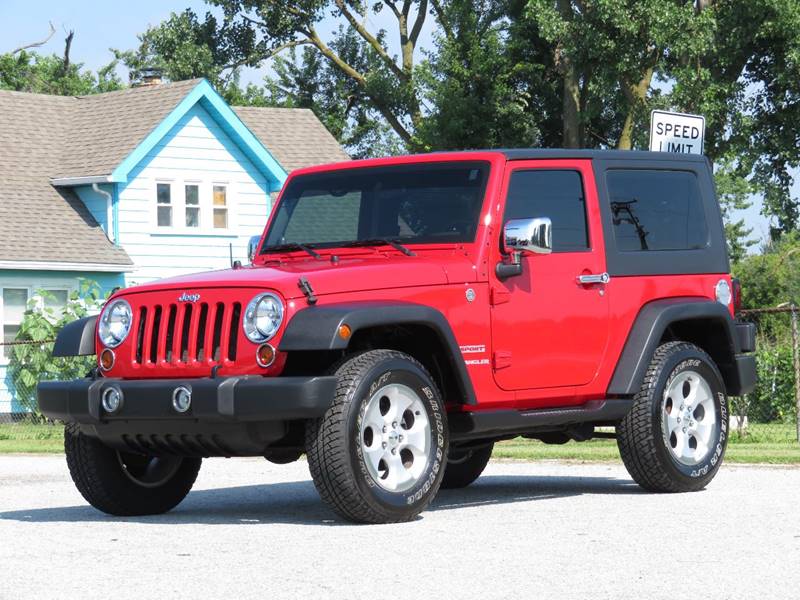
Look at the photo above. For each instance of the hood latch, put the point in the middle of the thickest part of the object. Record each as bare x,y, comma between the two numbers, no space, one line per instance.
306,288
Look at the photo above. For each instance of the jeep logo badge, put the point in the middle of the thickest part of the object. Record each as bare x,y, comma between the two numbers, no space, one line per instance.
184,297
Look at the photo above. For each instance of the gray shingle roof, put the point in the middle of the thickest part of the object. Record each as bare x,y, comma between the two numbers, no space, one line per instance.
105,128
50,137
294,136
37,221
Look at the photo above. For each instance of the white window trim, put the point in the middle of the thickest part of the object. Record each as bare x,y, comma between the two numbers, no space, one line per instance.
228,205
178,204
4,359
32,295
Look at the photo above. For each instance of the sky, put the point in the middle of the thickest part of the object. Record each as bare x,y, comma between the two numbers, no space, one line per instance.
99,26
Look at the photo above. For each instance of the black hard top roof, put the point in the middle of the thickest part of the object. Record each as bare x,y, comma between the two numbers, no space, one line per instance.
543,153
556,153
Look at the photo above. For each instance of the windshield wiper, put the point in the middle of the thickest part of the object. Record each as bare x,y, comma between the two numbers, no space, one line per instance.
291,247
381,242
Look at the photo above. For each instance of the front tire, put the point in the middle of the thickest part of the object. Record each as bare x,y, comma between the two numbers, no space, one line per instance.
126,484
378,453
465,466
675,435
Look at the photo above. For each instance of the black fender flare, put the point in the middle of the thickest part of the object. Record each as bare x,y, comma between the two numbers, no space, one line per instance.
76,338
316,328
648,328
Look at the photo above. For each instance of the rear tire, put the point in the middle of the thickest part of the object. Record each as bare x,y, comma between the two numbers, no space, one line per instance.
465,466
378,453
123,484
675,435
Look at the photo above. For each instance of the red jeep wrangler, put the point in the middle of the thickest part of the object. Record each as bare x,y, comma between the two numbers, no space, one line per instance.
402,315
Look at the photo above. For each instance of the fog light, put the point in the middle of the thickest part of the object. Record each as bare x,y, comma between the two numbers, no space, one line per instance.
112,399
182,399
106,359
265,355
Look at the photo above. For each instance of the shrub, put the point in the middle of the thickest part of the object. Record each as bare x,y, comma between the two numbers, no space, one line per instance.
33,362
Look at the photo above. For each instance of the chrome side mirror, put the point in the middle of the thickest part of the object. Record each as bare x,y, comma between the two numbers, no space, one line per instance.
252,247
528,236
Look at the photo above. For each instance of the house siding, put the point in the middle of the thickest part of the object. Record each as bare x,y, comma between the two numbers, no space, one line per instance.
196,150
34,281
97,205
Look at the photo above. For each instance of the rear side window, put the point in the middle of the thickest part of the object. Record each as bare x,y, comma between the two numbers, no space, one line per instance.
656,210
557,195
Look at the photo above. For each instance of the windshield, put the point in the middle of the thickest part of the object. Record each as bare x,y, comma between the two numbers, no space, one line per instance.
420,203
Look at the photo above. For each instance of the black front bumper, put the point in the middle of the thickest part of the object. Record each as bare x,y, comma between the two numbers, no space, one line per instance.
229,399
228,416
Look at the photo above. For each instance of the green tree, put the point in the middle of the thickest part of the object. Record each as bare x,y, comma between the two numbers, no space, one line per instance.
184,47
45,74
471,84
745,78
253,31
24,70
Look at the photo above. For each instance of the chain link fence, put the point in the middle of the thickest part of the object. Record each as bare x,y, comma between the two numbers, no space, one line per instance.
777,394
24,364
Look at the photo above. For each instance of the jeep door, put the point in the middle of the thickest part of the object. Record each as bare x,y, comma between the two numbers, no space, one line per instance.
549,330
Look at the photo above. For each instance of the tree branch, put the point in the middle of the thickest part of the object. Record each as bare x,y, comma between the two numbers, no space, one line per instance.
67,46
420,20
371,40
36,44
337,60
359,78
393,8
439,12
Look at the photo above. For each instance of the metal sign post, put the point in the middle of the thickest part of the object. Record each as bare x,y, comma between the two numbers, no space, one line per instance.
796,360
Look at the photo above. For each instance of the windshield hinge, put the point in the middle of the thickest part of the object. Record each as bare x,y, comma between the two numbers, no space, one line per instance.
306,288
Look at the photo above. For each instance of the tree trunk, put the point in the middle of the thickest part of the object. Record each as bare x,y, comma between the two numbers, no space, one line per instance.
571,103
636,95
571,96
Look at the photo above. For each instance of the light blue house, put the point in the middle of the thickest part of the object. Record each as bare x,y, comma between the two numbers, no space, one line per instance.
131,186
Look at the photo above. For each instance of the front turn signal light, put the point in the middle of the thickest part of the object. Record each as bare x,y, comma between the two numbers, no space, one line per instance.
265,355
106,359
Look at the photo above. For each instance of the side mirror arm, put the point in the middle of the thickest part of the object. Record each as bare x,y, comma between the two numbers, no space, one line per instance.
504,270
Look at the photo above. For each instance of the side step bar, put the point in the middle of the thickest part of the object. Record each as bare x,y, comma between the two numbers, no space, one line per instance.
491,423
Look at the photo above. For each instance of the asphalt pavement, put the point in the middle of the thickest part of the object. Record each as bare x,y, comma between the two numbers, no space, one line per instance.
251,529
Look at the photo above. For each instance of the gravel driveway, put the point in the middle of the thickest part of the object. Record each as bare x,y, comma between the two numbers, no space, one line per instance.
251,529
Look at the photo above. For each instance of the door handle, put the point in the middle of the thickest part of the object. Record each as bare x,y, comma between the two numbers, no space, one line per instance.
598,278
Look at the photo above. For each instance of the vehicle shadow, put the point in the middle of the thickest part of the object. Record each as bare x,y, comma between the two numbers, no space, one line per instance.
297,502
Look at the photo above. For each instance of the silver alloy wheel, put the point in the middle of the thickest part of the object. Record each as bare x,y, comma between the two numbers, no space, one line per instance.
395,437
689,418
149,471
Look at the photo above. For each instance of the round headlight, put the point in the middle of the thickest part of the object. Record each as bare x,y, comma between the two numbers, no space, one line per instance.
115,323
262,318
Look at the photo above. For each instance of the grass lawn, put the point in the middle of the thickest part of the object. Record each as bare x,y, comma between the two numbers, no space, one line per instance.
773,443
29,438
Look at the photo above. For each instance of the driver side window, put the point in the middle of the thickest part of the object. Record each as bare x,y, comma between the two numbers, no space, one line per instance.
555,194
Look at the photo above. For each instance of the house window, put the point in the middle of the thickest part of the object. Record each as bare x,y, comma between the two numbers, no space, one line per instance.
56,301
220,207
15,302
192,205
164,208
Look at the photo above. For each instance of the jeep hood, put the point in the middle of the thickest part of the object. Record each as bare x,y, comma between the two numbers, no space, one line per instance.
356,274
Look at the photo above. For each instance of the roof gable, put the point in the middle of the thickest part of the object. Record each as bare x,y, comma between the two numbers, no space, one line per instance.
204,94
